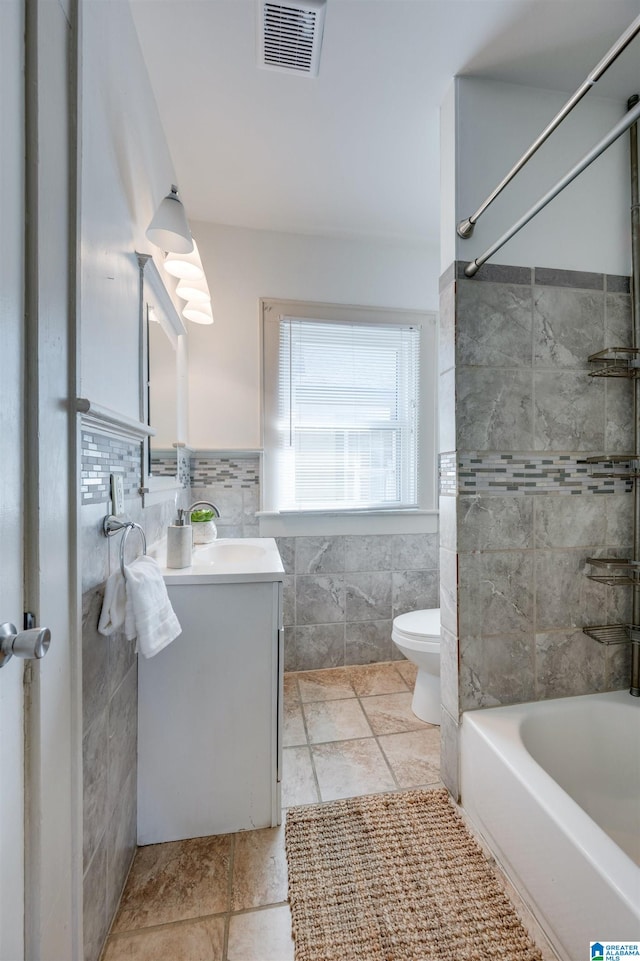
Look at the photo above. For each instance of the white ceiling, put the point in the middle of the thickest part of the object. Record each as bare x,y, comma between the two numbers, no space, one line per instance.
355,150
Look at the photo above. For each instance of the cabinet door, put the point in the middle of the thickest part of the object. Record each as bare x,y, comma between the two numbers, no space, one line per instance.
208,707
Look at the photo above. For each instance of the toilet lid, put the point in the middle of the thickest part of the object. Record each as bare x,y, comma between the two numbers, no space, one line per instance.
419,623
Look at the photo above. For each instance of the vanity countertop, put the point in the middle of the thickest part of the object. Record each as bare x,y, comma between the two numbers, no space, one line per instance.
227,560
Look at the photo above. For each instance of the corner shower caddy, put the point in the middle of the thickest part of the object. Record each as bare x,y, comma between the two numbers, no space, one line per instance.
621,362
624,362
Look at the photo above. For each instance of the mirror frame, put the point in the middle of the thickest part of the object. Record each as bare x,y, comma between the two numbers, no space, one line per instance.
153,292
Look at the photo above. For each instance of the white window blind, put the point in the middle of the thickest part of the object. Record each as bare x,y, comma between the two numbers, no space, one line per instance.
347,410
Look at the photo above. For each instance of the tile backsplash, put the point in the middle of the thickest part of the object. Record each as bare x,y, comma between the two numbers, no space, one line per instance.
106,454
103,455
211,469
342,592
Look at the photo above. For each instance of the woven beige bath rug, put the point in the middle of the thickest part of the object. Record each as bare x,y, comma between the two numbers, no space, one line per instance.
396,877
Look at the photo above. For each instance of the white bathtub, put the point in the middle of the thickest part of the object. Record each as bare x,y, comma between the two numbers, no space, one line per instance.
554,788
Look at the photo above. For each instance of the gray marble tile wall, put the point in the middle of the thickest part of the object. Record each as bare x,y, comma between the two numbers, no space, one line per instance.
341,594
515,387
109,681
523,596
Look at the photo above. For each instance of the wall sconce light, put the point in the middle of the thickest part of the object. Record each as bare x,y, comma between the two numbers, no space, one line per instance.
185,266
198,313
197,291
169,229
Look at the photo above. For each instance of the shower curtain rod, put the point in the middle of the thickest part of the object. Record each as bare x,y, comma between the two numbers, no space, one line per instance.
465,227
623,124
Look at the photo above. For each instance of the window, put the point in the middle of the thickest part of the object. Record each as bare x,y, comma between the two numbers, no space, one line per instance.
346,409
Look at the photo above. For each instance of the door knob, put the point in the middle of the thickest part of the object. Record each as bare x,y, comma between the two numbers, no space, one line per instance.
32,643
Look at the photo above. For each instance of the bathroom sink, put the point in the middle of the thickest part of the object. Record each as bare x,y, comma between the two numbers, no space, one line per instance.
227,551
228,559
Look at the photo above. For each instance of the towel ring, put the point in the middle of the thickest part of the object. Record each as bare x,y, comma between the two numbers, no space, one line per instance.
111,525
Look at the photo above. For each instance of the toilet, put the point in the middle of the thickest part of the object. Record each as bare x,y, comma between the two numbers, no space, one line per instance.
417,635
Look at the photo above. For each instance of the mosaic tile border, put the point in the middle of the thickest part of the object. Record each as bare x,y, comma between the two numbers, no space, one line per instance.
233,470
448,475
184,467
163,463
522,473
103,455
171,463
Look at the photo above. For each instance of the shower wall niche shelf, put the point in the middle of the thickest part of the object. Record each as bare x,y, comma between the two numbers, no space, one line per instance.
621,362
619,571
616,362
612,633
615,466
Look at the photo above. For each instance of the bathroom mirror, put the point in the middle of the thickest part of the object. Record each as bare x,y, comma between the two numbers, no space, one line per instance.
162,336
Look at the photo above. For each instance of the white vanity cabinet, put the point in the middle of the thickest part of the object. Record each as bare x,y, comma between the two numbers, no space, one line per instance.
210,708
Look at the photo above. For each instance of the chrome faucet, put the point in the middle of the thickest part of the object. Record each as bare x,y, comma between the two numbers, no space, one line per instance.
201,504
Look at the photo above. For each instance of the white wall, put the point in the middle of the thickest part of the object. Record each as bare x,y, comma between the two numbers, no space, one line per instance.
448,145
585,227
126,170
244,265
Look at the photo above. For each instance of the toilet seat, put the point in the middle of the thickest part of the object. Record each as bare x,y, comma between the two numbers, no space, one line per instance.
418,630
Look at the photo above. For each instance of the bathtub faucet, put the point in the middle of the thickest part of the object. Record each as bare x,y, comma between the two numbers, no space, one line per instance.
201,504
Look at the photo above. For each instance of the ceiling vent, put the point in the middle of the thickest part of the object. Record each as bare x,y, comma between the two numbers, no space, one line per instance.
291,35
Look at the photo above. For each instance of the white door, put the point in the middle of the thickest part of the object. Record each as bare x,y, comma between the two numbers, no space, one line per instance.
11,561
40,701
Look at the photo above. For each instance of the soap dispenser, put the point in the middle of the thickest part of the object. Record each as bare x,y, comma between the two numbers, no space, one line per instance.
179,542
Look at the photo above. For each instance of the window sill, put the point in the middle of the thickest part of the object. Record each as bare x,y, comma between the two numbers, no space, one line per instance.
308,523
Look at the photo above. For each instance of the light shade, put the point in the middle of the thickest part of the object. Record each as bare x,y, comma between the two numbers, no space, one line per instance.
198,313
169,229
196,291
185,266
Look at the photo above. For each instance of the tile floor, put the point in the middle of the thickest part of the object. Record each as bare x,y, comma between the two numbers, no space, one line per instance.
348,731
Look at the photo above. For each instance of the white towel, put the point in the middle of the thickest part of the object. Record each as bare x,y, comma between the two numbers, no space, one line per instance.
149,615
142,605
113,610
